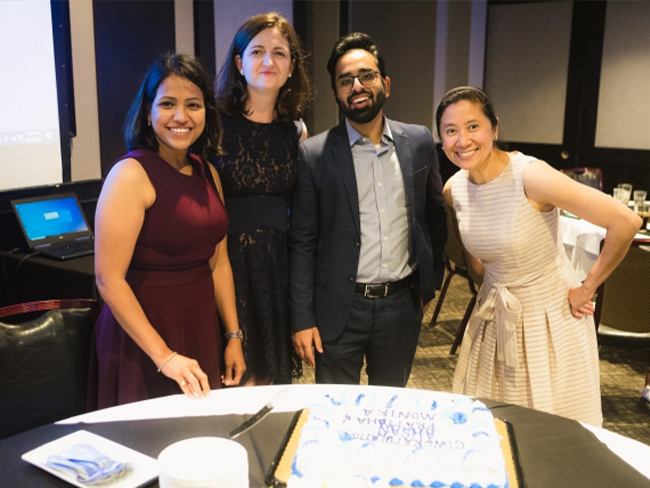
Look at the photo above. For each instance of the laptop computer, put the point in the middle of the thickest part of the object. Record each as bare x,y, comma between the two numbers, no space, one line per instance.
55,225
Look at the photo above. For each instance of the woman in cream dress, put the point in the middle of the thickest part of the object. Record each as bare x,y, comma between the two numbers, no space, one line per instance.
531,339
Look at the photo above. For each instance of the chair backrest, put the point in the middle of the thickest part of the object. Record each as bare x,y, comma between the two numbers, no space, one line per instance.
44,356
623,299
589,176
454,250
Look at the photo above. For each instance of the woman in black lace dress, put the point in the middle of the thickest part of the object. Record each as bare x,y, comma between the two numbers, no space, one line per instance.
262,89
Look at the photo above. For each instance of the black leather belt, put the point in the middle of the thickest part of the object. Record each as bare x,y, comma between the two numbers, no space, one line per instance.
382,290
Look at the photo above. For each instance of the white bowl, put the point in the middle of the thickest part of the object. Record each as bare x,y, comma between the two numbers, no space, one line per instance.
203,462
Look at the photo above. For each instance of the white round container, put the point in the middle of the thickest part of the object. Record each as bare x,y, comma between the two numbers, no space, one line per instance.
203,462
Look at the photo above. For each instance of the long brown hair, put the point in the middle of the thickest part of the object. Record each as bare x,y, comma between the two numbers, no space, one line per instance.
231,87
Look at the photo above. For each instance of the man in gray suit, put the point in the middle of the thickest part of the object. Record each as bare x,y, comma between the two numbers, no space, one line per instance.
368,229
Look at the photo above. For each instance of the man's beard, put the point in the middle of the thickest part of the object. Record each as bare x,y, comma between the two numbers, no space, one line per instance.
365,114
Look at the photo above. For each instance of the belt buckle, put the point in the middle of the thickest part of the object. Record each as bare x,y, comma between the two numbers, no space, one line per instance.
375,291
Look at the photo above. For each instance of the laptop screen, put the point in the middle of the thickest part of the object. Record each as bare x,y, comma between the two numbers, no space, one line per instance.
50,217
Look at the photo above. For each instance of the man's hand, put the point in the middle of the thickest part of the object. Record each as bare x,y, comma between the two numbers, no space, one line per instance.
304,342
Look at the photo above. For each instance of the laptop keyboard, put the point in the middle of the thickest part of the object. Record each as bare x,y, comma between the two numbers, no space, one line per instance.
74,248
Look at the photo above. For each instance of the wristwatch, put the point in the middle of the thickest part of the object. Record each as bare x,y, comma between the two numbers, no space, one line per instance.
238,334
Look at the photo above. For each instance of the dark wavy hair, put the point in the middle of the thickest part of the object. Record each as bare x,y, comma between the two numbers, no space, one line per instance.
355,40
471,94
232,93
138,134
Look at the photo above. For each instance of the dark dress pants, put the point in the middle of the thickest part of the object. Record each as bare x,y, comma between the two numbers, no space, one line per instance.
383,330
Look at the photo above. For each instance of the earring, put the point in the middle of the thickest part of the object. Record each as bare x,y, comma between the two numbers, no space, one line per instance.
149,122
289,75
241,72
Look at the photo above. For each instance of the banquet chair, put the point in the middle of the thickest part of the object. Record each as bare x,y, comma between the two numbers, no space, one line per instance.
44,357
622,312
457,264
589,176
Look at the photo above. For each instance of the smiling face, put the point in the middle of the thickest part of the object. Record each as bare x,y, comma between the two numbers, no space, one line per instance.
177,116
467,135
360,104
266,62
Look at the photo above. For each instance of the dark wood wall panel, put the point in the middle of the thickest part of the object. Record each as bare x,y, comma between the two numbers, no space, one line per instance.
204,47
128,36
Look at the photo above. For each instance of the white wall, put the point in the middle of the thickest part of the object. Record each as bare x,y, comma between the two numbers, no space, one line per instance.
624,103
86,163
526,79
184,25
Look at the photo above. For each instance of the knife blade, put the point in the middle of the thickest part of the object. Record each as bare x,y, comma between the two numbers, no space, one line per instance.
255,419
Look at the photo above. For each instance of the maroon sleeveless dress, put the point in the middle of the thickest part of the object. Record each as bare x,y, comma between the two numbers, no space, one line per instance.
171,278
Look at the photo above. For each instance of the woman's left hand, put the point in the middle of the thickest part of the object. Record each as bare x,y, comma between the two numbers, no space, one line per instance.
235,365
580,302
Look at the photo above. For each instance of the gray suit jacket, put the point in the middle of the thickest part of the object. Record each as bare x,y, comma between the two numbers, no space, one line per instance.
325,236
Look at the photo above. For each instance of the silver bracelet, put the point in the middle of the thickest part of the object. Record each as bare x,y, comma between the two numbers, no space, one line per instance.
237,334
169,358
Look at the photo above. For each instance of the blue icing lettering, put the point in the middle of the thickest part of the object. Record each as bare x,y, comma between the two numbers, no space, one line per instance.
480,433
346,436
333,401
391,401
478,408
468,454
294,468
359,398
396,482
459,418
434,405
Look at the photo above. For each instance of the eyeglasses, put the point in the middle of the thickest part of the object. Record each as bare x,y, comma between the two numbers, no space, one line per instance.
367,77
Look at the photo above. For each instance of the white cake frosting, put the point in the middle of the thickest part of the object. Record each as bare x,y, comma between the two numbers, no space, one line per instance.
383,439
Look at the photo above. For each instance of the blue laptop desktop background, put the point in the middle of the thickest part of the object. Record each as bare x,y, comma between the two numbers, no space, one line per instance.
49,218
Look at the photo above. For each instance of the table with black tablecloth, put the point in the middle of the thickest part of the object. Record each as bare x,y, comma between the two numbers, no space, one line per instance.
552,451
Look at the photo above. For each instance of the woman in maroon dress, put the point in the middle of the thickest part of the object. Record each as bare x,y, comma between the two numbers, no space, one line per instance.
161,260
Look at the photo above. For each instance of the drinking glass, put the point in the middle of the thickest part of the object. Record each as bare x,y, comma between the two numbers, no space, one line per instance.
627,192
639,199
616,193
643,211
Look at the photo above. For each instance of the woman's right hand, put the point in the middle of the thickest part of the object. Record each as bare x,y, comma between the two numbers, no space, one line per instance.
188,374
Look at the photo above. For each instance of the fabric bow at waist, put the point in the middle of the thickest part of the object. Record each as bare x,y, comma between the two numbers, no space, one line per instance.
498,304
504,309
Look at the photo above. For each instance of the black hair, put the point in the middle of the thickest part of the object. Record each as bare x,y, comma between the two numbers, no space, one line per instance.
355,40
137,131
469,93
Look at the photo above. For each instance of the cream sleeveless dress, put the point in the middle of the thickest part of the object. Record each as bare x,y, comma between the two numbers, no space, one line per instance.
522,345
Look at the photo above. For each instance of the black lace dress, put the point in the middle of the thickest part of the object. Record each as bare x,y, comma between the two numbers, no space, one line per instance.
257,173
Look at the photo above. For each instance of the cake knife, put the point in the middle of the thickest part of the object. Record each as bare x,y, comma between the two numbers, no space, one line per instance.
256,418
